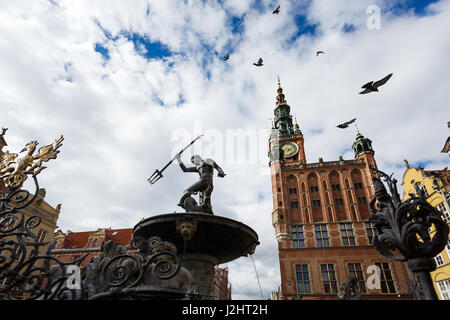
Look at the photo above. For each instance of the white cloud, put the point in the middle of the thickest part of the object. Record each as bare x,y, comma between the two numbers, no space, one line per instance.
116,132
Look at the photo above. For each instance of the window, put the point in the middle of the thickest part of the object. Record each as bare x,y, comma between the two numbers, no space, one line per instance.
314,188
362,200
316,203
278,189
41,235
371,232
444,289
387,282
355,270
439,260
348,238
280,204
358,185
424,189
329,278
303,282
298,238
18,252
445,214
293,190
322,235
339,202
336,187
294,204
95,244
447,248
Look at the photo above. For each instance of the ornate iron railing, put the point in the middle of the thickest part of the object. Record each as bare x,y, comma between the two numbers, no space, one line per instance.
28,271
403,230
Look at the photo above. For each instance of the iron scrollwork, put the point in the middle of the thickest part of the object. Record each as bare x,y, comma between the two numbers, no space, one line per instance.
153,272
403,229
25,272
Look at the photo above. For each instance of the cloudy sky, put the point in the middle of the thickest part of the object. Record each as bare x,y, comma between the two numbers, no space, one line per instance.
129,82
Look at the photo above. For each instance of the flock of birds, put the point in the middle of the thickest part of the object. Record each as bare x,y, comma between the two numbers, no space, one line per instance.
369,87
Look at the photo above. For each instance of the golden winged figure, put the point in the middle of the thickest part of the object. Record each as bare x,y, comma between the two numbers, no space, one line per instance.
14,172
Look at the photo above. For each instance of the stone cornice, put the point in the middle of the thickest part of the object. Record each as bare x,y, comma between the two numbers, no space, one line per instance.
326,164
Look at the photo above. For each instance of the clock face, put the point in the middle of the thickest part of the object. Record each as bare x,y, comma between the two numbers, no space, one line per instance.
290,149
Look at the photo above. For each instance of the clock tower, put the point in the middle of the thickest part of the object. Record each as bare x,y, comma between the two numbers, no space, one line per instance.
320,216
286,139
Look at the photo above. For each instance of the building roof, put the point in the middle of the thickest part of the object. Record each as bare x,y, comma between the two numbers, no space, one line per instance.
443,174
80,239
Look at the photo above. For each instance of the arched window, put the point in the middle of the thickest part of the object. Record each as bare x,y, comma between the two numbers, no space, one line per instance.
95,243
354,216
347,184
313,185
350,197
337,196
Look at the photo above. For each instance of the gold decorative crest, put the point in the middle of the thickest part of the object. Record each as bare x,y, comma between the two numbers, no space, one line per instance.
14,172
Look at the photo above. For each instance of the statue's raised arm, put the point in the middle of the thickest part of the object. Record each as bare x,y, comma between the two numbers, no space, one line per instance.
183,167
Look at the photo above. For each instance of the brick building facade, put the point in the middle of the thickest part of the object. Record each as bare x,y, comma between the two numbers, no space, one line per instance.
320,218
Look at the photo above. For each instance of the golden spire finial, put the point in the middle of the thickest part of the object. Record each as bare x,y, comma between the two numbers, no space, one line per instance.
273,126
280,95
296,123
357,130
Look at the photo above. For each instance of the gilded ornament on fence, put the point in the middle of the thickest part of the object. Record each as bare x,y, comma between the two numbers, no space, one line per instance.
14,172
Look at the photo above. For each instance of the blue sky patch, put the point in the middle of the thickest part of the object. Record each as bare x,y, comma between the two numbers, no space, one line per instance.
157,100
237,24
181,100
147,48
67,67
317,131
348,28
142,44
102,50
418,6
303,28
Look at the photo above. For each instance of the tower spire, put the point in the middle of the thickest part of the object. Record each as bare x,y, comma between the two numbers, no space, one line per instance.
280,95
283,119
357,130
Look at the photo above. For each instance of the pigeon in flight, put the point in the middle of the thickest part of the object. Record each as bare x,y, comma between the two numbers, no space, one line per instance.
319,52
373,86
260,62
277,10
226,57
346,124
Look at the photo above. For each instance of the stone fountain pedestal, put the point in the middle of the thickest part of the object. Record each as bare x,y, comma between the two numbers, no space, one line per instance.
203,241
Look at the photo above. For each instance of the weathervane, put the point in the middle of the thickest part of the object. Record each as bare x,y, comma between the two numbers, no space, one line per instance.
14,172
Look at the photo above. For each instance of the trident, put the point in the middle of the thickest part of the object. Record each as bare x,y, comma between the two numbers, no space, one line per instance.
158,173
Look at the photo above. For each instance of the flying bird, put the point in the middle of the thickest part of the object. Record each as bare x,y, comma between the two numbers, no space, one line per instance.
260,63
373,86
346,124
319,52
226,57
277,10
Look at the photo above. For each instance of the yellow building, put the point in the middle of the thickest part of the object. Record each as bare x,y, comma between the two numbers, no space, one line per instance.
436,184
